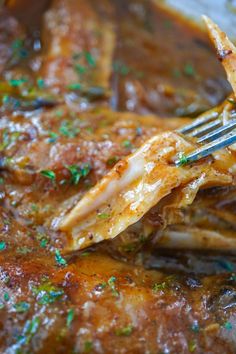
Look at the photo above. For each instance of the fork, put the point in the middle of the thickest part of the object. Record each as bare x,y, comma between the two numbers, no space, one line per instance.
211,133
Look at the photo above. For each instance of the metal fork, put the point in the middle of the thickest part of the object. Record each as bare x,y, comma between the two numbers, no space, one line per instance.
211,133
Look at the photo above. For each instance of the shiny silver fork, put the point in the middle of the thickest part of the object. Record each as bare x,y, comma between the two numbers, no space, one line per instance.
211,133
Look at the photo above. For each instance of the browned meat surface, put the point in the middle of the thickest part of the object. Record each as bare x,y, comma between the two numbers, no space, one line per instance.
99,305
58,137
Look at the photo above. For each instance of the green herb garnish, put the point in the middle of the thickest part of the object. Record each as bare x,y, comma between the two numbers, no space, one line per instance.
127,144
66,129
195,327
22,306
52,137
112,160
103,215
47,293
125,331
78,171
80,69
192,346
111,282
228,326
183,160
88,346
2,246
43,243
59,259
158,287
189,70
40,83
90,59
17,82
74,86
48,174
70,317
6,297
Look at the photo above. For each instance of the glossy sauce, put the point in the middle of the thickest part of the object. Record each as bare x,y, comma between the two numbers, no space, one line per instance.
116,297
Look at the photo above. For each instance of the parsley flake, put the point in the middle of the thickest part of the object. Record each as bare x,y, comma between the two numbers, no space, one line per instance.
70,317
74,86
111,282
192,346
103,215
59,259
6,297
90,59
228,326
47,293
127,144
22,306
158,287
2,246
183,160
78,171
125,331
88,346
189,70
48,174
40,83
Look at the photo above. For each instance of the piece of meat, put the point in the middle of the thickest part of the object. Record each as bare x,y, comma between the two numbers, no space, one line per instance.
12,36
78,48
90,302
138,183
65,141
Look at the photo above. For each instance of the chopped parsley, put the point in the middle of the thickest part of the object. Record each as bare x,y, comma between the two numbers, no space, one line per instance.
59,259
176,73
88,346
75,86
90,59
68,130
47,293
189,70
18,50
192,346
40,83
77,172
70,317
125,331
6,297
158,287
183,160
121,68
111,282
17,82
127,144
80,69
43,243
2,246
112,160
103,215
228,326
21,306
52,137
195,327
48,174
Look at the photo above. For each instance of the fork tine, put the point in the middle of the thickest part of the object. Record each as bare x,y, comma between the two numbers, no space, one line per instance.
208,149
198,122
206,128
218,132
